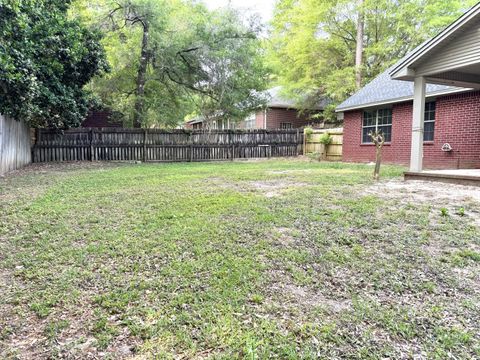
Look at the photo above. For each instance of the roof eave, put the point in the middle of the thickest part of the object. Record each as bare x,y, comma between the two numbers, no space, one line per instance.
400,100
405,74
399,70
292,107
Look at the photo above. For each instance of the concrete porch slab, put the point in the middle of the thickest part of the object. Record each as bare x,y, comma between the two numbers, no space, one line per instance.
461,176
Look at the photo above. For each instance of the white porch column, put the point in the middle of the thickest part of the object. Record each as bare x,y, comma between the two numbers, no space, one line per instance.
416,156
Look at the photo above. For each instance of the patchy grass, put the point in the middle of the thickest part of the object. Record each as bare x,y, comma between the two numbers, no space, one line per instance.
274,259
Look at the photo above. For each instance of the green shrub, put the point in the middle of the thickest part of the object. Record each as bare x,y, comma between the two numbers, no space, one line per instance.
326,139
308,133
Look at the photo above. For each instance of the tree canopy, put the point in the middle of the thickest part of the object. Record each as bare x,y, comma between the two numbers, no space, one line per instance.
313,42
172,58
45,61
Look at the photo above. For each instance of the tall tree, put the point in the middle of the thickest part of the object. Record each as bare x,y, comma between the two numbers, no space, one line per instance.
314,42
359,45
173,58
45,60
129,14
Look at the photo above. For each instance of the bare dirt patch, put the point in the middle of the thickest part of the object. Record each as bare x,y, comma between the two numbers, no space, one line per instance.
292,172
437,195
424,191
309,298
274,188
284,237
284,293
269,188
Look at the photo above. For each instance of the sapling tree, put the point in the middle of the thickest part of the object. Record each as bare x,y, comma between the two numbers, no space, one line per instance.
379,140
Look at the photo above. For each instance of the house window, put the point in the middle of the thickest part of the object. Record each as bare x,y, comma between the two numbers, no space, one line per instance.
250,122
286,125
377,120
429,126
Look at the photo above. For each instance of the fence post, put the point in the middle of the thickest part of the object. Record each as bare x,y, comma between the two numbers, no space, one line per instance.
232,142
298,142
304,143
145,131
38,138
191,146
232,147
91,144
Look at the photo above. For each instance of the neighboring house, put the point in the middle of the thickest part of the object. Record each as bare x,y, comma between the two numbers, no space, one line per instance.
280,113
100,119
194,124
445,113
218,124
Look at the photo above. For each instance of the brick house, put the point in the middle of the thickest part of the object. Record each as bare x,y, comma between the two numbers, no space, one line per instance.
427,105
100,119
280,113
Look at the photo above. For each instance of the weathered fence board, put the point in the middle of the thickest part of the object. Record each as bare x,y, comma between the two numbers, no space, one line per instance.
153,145
15,147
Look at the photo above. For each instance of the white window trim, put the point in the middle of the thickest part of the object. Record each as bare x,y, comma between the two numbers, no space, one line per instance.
376,125
425,121
250,122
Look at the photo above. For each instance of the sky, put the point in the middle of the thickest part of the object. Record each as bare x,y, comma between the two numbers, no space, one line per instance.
262,7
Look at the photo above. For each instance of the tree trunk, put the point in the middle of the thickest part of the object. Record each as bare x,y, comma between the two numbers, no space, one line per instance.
139,115
359,49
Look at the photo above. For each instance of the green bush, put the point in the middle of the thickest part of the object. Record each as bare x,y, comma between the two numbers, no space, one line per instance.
308,133
326,139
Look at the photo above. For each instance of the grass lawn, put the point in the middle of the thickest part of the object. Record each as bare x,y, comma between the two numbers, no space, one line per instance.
279,259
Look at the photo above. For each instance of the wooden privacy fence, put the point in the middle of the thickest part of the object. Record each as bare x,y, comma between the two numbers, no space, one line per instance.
113,144
332,152
15,150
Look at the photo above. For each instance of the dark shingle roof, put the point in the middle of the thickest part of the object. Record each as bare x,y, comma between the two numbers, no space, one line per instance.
277,100
384,90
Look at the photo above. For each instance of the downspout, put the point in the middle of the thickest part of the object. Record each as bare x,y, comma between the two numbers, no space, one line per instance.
265,119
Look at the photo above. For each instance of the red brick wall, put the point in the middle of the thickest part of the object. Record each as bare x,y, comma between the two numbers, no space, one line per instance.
457,121
100,119
277,116
260,120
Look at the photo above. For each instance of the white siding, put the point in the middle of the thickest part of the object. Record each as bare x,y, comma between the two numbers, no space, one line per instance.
462,51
